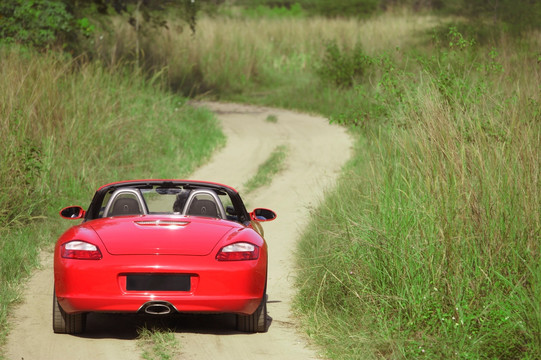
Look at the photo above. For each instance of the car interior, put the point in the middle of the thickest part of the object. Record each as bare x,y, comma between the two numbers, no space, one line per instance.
192,202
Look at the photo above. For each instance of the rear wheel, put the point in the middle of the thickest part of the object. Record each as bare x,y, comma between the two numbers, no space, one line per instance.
64,323
257,322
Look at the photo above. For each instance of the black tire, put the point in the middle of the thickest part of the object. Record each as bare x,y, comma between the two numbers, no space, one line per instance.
64,323
257,322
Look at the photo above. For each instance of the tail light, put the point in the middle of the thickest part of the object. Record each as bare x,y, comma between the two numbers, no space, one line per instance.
238,252
80,250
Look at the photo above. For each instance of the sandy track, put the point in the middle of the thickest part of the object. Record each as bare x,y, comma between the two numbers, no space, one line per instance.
317,151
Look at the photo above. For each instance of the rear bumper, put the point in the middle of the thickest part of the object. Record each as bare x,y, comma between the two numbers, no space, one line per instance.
133,304
216,287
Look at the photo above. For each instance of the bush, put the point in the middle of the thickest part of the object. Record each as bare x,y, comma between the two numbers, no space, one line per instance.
342,68
38,23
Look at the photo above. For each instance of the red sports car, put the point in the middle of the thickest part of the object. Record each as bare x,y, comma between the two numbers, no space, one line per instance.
161,247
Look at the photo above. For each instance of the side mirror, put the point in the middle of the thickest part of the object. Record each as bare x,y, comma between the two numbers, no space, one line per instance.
261,214
72,212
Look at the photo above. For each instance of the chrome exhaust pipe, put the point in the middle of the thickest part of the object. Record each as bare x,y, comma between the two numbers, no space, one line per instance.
158,308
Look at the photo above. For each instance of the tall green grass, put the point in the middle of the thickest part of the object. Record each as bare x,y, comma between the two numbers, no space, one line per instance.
254,57
430,245
68,127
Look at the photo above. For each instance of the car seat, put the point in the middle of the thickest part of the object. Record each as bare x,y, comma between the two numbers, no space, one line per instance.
126,206
203,208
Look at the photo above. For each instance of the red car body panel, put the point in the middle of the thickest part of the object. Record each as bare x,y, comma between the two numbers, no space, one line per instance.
161,244
144,235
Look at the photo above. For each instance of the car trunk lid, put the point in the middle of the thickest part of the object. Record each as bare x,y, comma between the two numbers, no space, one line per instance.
144,235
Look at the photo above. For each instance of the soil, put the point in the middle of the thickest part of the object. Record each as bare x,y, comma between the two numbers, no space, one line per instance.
317,151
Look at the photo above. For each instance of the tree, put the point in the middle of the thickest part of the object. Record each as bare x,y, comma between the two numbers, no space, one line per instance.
45,23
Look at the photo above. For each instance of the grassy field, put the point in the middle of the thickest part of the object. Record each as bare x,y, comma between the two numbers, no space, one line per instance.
68,128
224,60
430,245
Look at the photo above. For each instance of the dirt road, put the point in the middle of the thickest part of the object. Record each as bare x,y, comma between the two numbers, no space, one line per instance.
317,151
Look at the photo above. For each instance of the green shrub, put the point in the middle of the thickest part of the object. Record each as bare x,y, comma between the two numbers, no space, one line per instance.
342,67
39,22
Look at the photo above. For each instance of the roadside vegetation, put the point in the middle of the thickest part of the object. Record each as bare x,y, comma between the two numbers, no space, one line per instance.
429,245
157,344
66,129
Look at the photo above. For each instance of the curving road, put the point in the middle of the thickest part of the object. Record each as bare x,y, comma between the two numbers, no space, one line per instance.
317,151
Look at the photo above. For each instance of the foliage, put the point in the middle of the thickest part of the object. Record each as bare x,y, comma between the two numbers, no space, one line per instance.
86,27
68,128
434,229
272,118
262,11
157,344
342,68
360,8
47,23
517,15
454,54
38,22
46,120
356,8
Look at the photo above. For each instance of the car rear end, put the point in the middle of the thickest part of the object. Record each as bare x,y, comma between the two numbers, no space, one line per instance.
133,270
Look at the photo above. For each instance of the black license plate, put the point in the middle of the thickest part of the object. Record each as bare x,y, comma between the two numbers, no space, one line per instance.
158,282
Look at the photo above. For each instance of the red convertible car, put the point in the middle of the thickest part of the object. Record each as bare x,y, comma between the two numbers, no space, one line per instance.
162,247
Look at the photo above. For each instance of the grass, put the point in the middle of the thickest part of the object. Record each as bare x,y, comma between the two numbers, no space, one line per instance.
267,170
68,128
434,229
157,344
272,119
224,60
